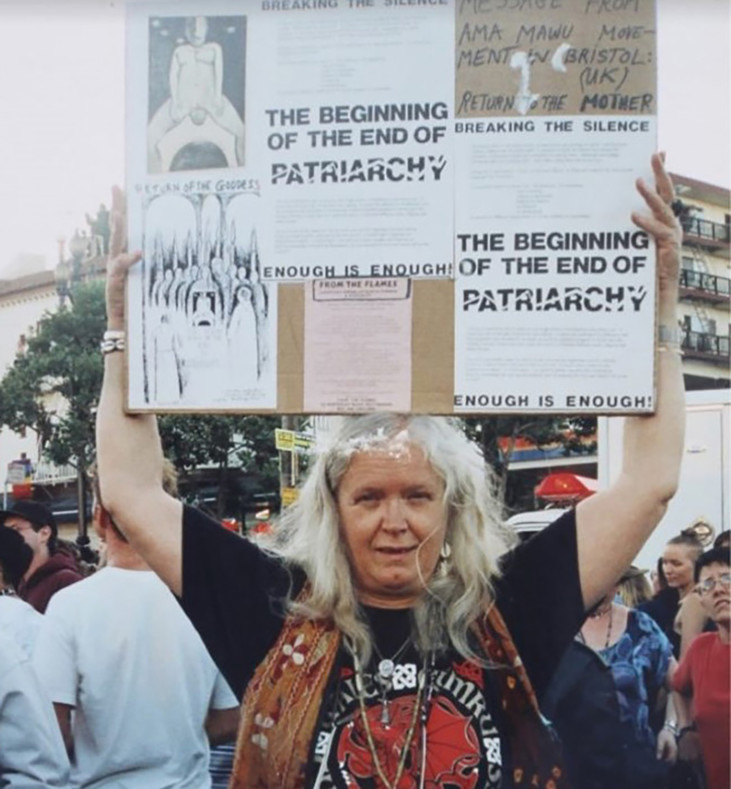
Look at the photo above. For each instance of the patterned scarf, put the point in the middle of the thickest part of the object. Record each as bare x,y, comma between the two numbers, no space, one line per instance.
282,702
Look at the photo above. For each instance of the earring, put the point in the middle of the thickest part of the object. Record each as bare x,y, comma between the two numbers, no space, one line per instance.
445,551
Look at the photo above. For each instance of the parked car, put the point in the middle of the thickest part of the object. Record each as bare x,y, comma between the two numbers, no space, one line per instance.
526,524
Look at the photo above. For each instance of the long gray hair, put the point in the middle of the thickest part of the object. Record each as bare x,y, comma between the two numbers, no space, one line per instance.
308,534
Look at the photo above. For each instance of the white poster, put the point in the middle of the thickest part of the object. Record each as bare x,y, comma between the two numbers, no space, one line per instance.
354,109
491,143
202,323
555,286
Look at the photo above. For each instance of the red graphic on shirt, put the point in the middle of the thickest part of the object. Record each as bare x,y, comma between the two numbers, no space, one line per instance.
471,672
453,753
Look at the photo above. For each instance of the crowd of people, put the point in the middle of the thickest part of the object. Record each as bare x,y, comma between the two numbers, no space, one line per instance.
109,679
387,633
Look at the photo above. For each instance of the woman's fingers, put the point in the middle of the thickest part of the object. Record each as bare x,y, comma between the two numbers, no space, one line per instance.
117,240
119,259
661,222
663,182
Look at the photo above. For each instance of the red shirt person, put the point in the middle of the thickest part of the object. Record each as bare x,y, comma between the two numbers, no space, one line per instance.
702,681
50,569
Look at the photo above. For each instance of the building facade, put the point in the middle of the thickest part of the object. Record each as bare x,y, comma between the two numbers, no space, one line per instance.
705,282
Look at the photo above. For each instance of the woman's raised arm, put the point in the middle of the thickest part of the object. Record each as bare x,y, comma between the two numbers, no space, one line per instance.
613,525
129,454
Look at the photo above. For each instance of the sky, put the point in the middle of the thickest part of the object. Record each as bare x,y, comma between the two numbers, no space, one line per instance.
62,110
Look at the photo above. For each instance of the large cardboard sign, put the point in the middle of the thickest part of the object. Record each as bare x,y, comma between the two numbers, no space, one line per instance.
355,204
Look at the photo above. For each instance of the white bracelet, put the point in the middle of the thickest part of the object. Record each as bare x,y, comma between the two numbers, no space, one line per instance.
113,340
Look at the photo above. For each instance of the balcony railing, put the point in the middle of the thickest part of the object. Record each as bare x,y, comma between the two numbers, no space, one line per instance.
707,283
711,347
49,473
713,232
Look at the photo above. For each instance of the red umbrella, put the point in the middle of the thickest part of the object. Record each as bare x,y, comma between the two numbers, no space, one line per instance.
565,487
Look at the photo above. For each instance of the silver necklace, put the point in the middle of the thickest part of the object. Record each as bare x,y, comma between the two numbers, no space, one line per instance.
384,677
420,714
387,665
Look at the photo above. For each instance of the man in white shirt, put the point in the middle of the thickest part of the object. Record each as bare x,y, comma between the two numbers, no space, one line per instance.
136,694
32,755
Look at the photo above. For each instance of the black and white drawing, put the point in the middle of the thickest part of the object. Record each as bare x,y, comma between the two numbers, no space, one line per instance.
196,93
207,317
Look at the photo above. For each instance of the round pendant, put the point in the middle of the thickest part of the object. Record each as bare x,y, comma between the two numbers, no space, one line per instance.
386,668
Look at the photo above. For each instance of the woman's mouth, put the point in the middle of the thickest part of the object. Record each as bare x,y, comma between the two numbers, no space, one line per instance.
395,551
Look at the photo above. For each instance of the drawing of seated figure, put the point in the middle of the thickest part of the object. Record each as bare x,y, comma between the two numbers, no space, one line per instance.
197,127
204,300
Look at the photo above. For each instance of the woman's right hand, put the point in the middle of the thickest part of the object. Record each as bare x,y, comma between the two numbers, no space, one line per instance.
119,261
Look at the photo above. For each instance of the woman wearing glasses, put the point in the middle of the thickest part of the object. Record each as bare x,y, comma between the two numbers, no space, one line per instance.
702,684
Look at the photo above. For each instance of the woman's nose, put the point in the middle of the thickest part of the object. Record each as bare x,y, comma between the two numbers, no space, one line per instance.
394,517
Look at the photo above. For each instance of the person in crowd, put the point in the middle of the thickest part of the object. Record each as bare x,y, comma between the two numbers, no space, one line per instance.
50,569
657,579
134,690
702,681
634,589
386,636
723,539
641,660
17,619
581,703
678,560
32,755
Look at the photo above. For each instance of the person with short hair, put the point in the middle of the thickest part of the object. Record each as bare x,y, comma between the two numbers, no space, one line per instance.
17,618
703,679
136,695
50,569
723,539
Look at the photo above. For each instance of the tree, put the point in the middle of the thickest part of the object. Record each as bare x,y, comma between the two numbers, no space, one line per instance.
53,387
53,384
231,443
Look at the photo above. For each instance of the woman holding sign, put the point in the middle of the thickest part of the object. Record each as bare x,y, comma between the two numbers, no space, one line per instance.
390,637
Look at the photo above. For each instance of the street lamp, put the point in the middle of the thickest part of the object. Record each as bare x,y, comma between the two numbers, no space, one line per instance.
68,272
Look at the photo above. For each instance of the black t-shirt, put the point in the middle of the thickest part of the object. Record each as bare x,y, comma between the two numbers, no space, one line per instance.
233,593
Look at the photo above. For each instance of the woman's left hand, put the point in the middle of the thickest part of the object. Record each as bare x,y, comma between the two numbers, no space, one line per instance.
667,748
661,223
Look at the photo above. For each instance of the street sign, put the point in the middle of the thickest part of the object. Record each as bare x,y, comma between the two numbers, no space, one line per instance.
288,496
292,441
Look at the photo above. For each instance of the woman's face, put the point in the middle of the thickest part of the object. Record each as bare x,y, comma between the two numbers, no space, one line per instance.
393,520
678,562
